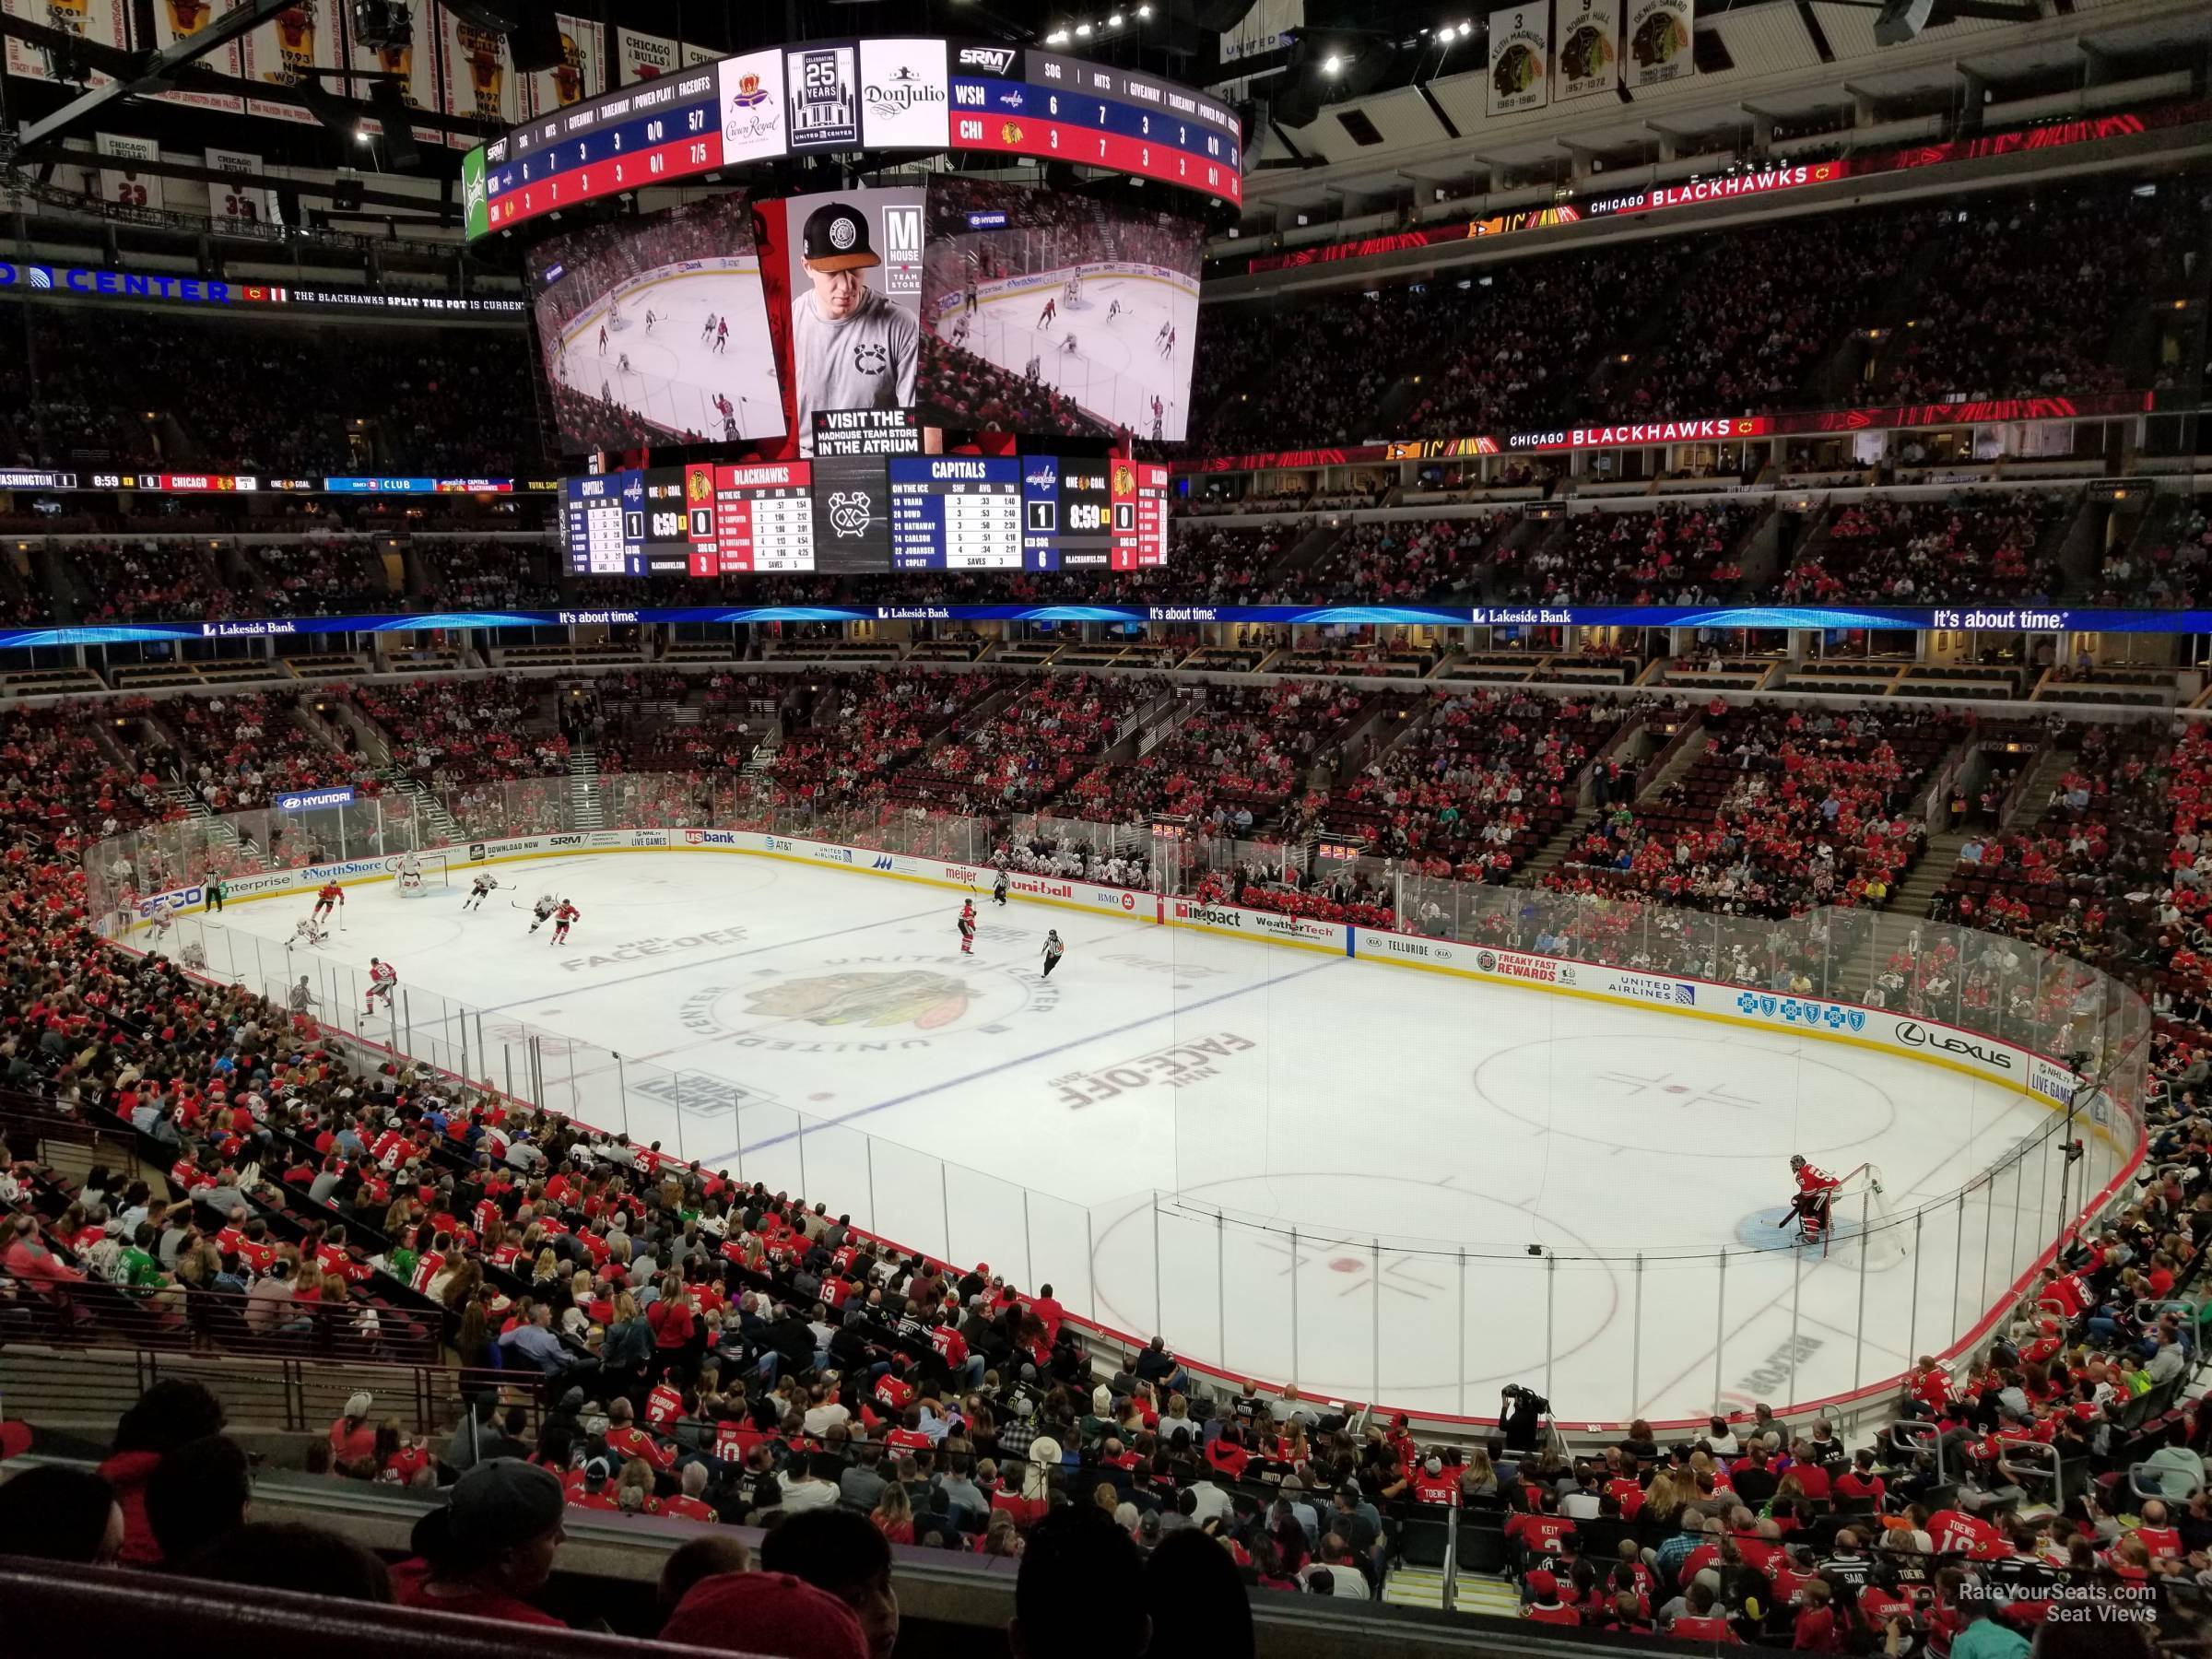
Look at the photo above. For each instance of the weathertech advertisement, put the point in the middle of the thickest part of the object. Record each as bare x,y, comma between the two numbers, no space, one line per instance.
1046,312
655,330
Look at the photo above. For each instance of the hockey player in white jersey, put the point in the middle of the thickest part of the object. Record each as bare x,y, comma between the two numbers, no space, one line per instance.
410,871
543,911
485,884
307,935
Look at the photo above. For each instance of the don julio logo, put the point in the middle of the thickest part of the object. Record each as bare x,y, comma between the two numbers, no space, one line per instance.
902,91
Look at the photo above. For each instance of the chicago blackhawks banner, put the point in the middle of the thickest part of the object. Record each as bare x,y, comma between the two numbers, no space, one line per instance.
283,51
1659,33
1520,57
1589,59
580,73
480,82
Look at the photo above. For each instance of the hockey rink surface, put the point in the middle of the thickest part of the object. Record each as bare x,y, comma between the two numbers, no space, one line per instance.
1117,366
674,374
1353,1157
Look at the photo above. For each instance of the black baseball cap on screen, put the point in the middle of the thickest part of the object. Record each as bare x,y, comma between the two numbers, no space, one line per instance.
836,239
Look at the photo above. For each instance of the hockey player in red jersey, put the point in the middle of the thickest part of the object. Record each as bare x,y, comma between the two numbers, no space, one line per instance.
561,918
1816,1195
329,894
383,977
966,926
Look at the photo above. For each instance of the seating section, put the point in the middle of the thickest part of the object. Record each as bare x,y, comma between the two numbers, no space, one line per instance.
1984,546
1665,556
321,579
1483,779
1021,756
472,575
1379,563
455,732
1781,811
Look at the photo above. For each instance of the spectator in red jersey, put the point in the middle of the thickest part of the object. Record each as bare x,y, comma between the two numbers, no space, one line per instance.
171,1414
768,1613
353,1436
1544,1605
845,1554
490,1548
1700,1622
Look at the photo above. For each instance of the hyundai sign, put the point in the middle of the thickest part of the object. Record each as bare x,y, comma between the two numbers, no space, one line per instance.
309,798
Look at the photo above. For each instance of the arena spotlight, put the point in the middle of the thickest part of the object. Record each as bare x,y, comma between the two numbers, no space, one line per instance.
1083,31
1332,63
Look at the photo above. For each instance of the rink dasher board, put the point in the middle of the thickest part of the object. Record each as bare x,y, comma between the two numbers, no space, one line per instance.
1931,1042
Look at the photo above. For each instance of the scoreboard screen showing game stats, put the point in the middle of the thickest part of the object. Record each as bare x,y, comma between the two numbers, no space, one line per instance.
831,96
869,514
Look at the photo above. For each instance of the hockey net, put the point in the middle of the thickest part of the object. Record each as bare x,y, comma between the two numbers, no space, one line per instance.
430,867
1864,1221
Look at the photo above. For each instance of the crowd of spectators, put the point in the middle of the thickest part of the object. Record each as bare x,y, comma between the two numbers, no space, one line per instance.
280,397
1967,547
489,575
320,578
452,733
1382,561
1675,554
151,581
1023,755
2172,571
1785,810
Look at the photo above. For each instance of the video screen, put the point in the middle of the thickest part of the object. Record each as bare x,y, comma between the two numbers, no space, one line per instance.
655,330
856,270
1057,314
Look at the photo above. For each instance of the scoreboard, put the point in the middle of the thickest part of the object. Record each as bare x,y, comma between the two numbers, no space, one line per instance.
869,514
902,94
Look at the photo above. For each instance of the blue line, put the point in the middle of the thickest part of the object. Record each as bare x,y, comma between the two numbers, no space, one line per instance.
987,1071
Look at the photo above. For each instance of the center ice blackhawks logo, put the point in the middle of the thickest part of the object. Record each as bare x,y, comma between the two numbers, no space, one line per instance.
916,998
870,357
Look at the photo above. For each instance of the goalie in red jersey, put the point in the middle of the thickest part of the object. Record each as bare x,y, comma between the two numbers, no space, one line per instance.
1813,1201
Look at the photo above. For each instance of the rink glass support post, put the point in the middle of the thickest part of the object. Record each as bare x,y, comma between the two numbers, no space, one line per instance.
2043,1193
575,1103
622,1094
1720,1326
462,1023
1957,1260
2012,1251
1158,1324
1989,1234
1858,1343
803,1186
1551,1297
1913,1318
945,1205
1796,1311
1029,1262
1090,1257
380,823
1635,1335
869,1145
678,1097
406,1013
1375,1248
1463,1332
1221,1289
507,1054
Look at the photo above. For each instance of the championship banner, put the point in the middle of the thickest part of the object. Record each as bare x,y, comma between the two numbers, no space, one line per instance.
641,56
99,22
120,182
1520,58
415,64
177,20
480,82
282,50
580,73
238,203
692,56
1589,58
1659,34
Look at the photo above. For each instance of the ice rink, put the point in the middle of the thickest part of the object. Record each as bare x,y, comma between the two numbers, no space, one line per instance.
1352,1158
675,373
1117,367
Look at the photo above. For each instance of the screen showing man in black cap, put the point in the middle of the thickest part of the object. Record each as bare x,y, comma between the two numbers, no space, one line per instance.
851,346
